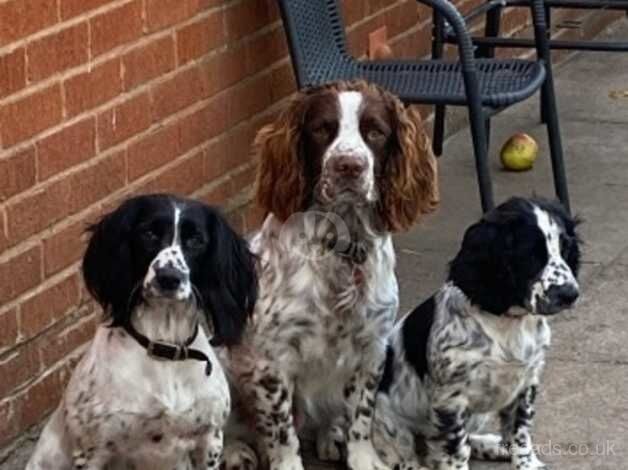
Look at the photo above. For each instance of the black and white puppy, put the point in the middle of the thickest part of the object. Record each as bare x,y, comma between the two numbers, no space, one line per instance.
149,392
478,345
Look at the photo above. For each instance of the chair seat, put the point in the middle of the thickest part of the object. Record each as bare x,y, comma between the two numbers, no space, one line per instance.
502,82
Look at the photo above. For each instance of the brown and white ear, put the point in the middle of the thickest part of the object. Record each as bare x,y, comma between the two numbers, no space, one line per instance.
410,183
280,186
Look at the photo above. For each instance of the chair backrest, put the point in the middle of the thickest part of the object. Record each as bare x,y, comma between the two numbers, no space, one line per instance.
316,37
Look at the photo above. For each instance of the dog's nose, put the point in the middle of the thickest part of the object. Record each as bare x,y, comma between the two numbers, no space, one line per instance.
563,295
348,167
168,279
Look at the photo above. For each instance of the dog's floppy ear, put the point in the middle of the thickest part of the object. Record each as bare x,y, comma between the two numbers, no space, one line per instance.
480,269
229,287
107,266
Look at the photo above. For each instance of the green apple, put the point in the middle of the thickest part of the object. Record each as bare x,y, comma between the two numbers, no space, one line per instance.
519,152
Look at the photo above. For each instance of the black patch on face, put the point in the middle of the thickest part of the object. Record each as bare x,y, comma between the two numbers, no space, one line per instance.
415,333
503,254
125,242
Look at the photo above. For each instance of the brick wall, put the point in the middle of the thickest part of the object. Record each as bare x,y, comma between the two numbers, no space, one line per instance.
100,99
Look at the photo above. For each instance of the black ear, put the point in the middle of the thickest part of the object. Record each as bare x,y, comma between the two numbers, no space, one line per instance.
229,287
107,269
480,269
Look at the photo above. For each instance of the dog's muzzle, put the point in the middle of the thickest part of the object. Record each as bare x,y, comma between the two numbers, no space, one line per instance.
557,298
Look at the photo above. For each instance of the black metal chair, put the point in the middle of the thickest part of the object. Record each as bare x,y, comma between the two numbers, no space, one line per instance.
317,43
494,8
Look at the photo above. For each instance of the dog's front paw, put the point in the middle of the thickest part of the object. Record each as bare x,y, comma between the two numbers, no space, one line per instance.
239,456
331,444
291,462
362,456
527,462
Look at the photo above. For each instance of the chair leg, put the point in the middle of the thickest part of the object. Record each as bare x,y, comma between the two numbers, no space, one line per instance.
487,131
548,22
555,143
439,130
491,30
480,150
438,48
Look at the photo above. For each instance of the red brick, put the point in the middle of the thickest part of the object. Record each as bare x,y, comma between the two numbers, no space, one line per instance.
225,69
218,194
4,241
67,147
246,17
42,397
21,366
20,273
26,117
153,151
96,181
56,52
182,90
204,124
265,50
8,327
248,99
353,11
235,151
49,306
124,120
116,27
17,173
12,71
282,82
64,247
183,178
147,62
9,426
215,156
253,217
205,4
38,210
56,347
70,8
196,39
89,89
163,13
21,18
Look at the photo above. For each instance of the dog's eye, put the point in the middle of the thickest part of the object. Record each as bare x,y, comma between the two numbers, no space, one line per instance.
321,132
374,135
195,242
149,235
566,243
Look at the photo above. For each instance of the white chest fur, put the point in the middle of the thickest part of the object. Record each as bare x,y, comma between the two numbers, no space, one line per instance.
151,411
314,313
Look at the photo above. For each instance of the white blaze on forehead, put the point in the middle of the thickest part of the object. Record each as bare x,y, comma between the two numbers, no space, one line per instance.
176,219
349,141
550,229
556,272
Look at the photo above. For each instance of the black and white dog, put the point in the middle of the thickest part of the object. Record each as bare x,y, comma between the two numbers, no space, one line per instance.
478,345
149,392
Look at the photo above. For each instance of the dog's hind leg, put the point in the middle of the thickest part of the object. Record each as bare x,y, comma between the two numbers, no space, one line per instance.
331,441
240,456
491,447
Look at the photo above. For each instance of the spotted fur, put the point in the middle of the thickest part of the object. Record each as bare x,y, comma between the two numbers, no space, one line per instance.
161,264
333,168
477,347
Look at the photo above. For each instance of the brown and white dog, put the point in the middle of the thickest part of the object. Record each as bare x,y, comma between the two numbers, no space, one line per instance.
343,167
